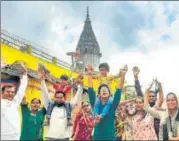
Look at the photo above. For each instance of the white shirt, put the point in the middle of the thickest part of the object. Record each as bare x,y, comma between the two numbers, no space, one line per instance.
58,122
10,116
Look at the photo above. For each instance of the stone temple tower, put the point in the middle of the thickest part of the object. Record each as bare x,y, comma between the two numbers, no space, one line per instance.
88,45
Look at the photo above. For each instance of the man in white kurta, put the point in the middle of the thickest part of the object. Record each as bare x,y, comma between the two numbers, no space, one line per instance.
10,116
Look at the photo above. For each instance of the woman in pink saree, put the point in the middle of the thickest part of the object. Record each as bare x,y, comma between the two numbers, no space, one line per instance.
83,123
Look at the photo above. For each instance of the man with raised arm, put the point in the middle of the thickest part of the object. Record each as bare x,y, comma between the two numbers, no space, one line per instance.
10,102
59,112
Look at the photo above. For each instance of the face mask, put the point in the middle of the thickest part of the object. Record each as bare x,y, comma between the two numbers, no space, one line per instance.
104,90
130,109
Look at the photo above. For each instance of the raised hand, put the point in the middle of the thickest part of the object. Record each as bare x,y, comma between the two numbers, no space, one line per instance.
89,69
24,100
24,69
79,79
125,68
123,71
122,77
136,71
40,72
159,83
155,86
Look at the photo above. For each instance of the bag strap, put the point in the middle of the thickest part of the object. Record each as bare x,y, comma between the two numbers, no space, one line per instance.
68,105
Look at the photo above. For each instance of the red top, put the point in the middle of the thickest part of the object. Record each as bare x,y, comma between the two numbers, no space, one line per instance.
65,89
83,126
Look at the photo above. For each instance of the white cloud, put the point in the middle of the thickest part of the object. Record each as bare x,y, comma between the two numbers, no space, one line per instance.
161,57
153,56
57,33
162,64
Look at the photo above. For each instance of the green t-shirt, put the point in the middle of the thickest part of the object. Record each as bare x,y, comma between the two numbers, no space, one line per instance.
32,125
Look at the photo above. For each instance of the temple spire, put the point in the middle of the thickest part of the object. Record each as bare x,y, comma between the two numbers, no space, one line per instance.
88,45
87,15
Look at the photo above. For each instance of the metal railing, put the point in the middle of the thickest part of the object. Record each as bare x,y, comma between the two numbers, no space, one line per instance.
21,44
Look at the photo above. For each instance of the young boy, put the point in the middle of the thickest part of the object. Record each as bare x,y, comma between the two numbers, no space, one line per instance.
104,78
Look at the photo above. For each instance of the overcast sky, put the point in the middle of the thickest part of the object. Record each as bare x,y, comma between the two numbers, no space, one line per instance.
134,33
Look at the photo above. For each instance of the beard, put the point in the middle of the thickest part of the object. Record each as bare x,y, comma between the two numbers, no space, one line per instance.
151,104
60,104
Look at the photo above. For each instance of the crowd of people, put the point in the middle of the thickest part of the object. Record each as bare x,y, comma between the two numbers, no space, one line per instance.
103,117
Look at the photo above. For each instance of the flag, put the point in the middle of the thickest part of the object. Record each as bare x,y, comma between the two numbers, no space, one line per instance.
77,54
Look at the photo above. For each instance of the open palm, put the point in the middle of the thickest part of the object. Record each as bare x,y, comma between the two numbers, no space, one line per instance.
136,71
